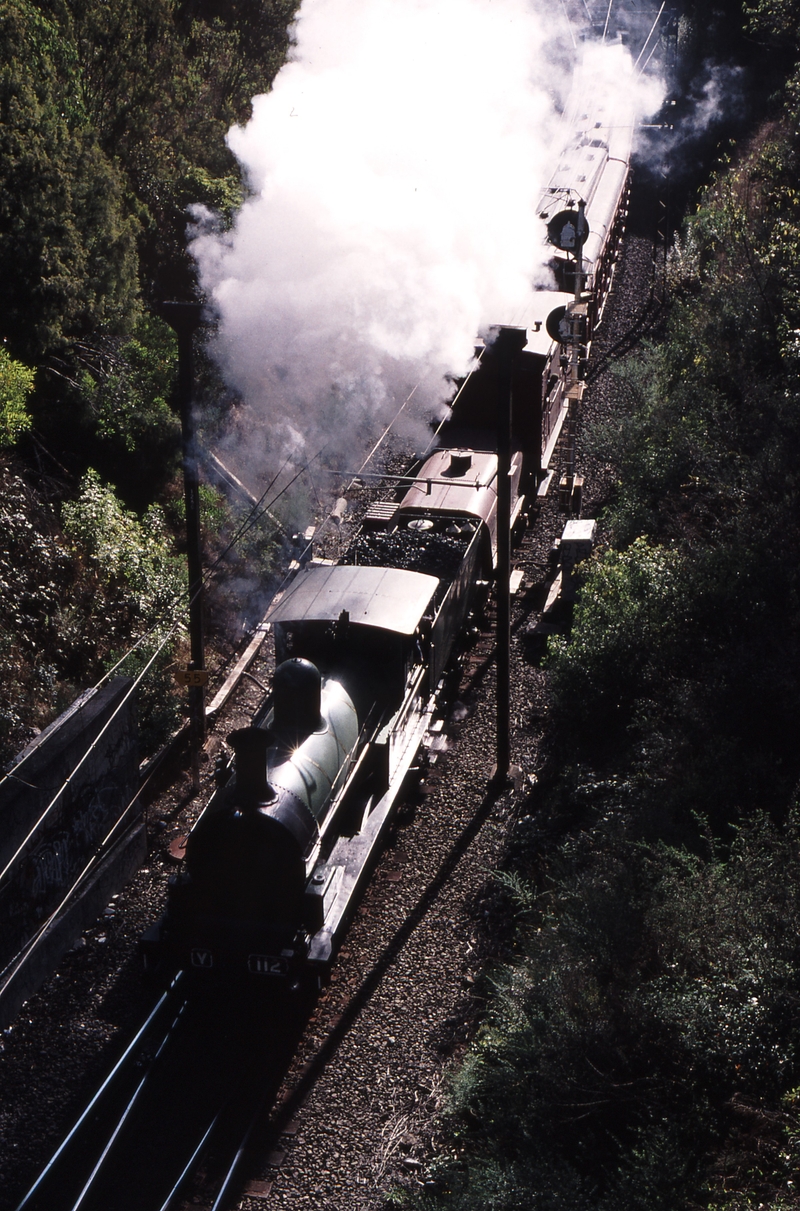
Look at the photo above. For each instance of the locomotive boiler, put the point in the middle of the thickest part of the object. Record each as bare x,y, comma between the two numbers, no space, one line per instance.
242,896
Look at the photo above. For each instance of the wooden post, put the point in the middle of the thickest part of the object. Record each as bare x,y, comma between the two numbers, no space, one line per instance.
185,318
508,345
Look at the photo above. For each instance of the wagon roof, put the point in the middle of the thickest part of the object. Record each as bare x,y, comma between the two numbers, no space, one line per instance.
389,598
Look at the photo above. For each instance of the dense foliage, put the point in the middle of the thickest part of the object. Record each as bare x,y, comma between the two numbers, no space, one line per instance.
16,384
647,1016
638,1047
112,121
71,604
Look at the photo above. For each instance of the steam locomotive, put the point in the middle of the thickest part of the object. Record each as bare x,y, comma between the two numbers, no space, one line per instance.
275,864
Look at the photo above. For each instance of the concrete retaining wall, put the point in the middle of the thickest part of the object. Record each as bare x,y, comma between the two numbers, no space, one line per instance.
67,791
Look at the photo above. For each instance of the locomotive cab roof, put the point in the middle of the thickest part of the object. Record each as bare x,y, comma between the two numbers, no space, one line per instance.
389,599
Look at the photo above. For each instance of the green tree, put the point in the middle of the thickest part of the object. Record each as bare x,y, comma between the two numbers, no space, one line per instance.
132,555
16,384
162,81
68,258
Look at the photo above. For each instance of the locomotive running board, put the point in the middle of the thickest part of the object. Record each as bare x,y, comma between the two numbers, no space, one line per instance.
355,855
555,433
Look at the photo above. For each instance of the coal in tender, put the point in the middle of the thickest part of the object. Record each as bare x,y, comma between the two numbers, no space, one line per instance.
410,550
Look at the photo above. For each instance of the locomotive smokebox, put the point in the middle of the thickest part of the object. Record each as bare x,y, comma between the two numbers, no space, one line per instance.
297,689
250,746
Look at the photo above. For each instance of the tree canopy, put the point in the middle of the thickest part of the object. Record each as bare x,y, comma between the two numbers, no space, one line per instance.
113,119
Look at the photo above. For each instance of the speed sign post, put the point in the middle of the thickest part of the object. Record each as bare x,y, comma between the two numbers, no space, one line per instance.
191,678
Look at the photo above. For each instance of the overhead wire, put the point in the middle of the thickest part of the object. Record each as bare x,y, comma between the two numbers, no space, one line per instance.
175,624
12,968
254,515
608,18
646,63
569,24
256,512
649,36
44,816
355,476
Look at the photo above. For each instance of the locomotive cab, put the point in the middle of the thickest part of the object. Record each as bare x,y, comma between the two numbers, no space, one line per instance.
366,623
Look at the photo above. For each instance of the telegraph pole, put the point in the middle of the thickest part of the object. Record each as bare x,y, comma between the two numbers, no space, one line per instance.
509,344
184,319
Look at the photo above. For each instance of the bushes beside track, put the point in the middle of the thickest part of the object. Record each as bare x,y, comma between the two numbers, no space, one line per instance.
638,1052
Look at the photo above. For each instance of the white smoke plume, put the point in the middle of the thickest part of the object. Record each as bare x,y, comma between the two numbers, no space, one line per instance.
394,171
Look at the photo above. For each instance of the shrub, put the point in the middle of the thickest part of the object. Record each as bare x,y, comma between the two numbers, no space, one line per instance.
143,584
16,384
132,556
37,576
628,622
130,395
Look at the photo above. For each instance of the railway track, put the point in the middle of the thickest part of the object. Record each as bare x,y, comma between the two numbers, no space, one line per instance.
207,1090
188,1091
204,1090
81,1157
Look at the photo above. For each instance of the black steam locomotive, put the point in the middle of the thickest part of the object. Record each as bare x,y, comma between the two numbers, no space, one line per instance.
276,862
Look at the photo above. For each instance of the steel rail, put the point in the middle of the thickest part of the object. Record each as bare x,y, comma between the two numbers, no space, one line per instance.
227,1181
649,36
165,996
101,851
126,1113
77,767
608,18
192,1161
